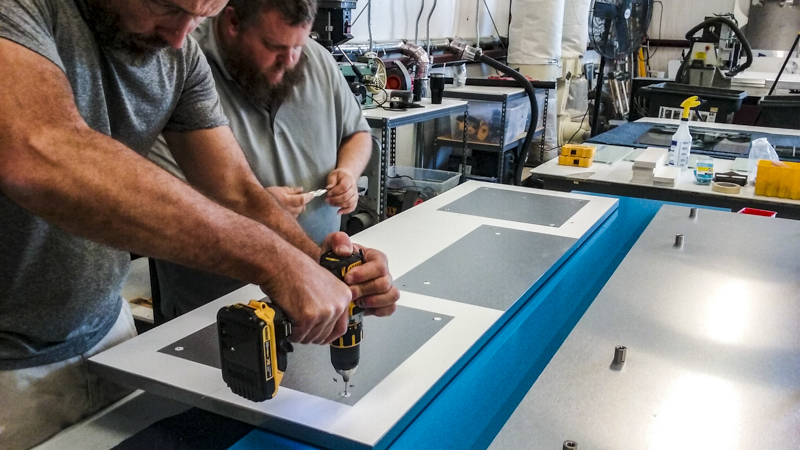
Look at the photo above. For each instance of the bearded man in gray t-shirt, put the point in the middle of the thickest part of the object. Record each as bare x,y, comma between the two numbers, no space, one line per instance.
85,88
292,111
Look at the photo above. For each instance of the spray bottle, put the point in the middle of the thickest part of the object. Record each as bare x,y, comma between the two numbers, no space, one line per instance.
682,139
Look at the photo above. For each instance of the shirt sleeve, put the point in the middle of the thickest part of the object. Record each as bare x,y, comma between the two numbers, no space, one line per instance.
199,106
30,24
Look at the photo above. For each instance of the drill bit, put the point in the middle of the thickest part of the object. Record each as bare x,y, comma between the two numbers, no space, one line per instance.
346,377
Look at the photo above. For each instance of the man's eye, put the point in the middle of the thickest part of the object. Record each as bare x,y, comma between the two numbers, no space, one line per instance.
164,8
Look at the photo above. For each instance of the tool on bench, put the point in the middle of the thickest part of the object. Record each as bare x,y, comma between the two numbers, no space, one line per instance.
254,340
346,351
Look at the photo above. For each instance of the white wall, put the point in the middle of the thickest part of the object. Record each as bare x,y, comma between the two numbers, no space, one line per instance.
392,19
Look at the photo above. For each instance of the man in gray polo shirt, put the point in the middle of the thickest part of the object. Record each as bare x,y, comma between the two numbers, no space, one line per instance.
294,116
85,88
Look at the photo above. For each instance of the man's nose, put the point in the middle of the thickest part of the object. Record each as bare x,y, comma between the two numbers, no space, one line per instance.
289,57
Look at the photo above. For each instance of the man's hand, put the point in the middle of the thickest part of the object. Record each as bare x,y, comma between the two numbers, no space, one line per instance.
370,283
315,300
293,199
342,191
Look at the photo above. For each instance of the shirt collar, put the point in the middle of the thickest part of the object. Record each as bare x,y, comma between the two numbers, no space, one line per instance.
206,35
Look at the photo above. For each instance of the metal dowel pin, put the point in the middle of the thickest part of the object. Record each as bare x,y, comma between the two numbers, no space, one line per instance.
693,213
619,354
570,445
678,240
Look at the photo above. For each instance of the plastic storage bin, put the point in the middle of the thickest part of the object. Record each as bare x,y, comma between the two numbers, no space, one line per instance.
722,103
780,111
424,180
485,121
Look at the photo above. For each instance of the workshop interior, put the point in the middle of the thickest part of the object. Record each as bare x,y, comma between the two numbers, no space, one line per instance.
591,209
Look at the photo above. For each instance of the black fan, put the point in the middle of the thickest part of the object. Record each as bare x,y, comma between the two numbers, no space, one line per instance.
616,29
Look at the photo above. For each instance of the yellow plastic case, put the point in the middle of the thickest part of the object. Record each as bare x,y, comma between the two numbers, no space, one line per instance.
581,151
781,181
575,161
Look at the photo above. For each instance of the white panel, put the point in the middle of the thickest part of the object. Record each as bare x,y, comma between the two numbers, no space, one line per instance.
397,19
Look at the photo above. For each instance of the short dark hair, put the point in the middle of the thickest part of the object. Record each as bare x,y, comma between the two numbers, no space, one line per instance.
294,12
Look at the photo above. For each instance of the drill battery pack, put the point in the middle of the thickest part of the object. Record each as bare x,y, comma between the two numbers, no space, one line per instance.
254,345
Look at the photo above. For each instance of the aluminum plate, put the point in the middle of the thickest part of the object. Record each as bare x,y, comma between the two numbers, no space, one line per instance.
713,336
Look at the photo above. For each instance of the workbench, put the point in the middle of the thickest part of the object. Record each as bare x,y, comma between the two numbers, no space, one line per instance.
615,179
476,399
468,263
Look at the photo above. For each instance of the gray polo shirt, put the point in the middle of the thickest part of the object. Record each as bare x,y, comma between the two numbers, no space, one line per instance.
296,143
59,293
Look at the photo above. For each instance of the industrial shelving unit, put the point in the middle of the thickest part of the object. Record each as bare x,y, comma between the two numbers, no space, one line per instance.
387,122
503,96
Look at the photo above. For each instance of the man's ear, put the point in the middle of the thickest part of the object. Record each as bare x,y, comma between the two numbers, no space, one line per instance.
231,25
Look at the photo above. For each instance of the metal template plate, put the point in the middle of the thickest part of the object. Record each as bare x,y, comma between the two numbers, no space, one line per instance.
387,344
526,207
713,336
506,265
408,379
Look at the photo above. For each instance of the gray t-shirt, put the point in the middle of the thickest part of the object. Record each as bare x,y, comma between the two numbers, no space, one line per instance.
295,144
59,294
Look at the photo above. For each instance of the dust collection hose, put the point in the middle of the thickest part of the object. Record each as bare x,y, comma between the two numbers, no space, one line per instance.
524,83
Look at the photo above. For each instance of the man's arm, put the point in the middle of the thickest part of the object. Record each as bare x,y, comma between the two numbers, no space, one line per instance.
352,159
55,166
214,164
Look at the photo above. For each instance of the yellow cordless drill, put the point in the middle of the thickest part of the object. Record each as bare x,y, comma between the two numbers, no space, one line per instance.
254,340
346,351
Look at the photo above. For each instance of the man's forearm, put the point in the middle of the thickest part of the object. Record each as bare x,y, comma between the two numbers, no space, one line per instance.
114,196
354,153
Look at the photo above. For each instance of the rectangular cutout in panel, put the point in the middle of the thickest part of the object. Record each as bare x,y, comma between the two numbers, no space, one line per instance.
387,343
508,264
516,206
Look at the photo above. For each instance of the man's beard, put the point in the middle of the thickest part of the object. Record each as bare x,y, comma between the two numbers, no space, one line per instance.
256,85
107,26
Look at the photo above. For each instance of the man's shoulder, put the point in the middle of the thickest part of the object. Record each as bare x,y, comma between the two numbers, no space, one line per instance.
318,55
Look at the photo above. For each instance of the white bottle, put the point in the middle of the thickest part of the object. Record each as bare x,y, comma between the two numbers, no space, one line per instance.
681,146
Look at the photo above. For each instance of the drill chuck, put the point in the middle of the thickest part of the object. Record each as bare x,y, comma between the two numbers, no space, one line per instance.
346,351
